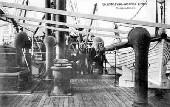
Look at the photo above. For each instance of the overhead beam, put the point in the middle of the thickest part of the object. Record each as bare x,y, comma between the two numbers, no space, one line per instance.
65,24
69,30
87,16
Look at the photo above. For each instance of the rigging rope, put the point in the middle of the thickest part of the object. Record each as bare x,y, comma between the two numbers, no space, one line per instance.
139,10
134,16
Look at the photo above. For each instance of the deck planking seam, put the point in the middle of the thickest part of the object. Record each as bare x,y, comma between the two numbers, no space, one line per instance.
80,101
13,101
47,100
35,101
66,102
20,104
56,101
61,101
39,99
51,101
130,91
128,101
123,97
107,96
75,99
118,99
93,93
99,95
35,95
81,94
93,96
97,102
28,101
87,96
129,96
6,102
17,101
42,100
117,103
107,99
107,87
71,102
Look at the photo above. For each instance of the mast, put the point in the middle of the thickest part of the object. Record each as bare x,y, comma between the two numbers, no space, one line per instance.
164,11
60,35
156,28
48,16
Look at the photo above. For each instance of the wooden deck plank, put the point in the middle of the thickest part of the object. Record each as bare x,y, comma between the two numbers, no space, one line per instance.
74,101
114,101
130,96
87,92
80,101
35,101
106,99
115,96
66,102
56,101
130,90
125,98
6,100
71,102
161,100
27,102
61,102
93,94
14,100
42,100
98,95
20,104
107,95
17,101
47,101
51,104
102,92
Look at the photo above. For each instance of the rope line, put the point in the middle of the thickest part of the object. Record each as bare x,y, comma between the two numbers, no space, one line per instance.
139,10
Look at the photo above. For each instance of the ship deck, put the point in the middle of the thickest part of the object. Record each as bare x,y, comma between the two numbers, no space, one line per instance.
87,91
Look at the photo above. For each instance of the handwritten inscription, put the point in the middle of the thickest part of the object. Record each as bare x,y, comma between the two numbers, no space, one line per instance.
125,5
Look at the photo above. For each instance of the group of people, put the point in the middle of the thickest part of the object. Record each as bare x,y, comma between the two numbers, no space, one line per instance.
89,59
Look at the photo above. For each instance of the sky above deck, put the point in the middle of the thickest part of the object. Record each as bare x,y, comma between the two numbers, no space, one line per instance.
105,8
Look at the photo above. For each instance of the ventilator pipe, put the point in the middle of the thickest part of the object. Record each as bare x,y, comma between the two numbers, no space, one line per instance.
49,42
21,41
139,38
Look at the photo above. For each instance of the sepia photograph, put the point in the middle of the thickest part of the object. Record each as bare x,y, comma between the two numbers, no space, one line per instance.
84,53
